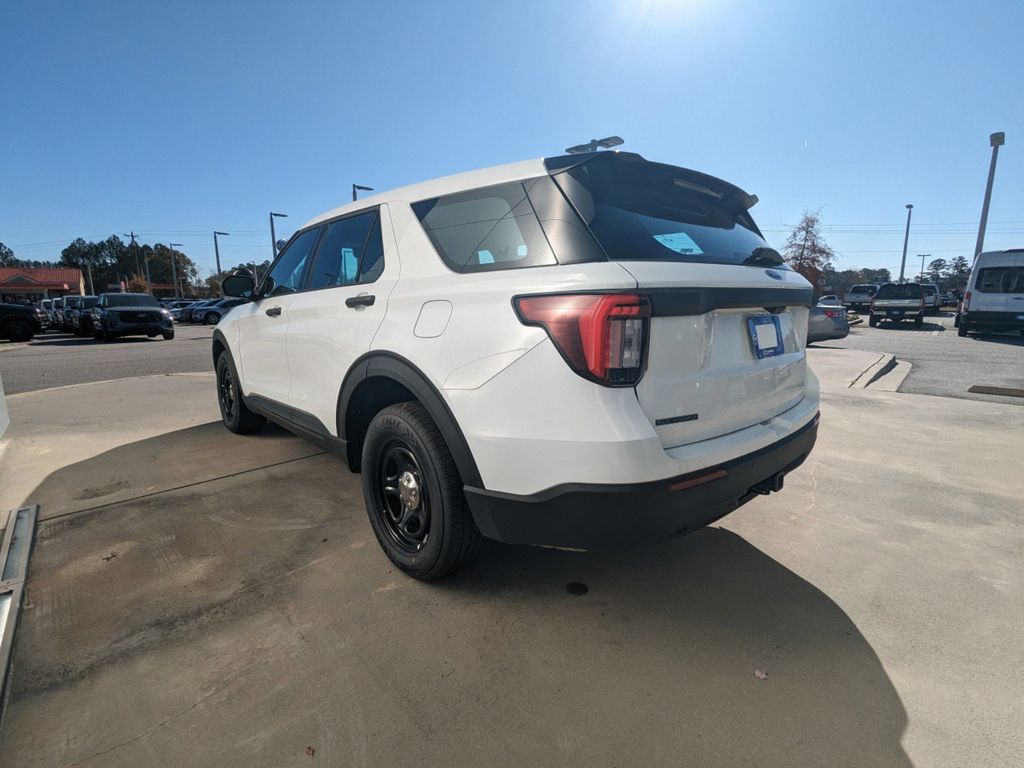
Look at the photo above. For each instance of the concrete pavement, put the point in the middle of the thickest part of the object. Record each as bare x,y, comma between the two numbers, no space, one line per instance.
213,610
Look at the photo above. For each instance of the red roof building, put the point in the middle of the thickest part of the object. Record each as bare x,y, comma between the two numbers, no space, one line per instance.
34,283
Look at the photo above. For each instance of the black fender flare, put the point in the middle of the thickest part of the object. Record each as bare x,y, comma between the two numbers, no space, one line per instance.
395,367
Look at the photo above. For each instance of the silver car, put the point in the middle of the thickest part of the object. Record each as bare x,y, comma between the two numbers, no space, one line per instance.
827,322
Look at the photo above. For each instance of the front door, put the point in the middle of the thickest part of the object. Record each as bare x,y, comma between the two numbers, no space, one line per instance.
263,322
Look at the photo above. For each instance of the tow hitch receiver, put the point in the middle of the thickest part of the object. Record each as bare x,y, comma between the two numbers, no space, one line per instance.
772,484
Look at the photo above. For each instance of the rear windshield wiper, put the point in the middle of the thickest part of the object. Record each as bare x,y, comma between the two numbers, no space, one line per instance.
763,256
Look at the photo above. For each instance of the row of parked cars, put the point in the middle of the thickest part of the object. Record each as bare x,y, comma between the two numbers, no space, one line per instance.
202,311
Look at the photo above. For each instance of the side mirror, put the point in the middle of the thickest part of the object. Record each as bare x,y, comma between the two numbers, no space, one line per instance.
240,284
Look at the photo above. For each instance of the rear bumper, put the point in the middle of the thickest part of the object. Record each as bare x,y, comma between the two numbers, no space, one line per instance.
593,516
995,321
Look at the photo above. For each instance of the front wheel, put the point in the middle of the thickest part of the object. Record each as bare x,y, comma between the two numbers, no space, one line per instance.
414,494
17,330
918,321
233,411
168,335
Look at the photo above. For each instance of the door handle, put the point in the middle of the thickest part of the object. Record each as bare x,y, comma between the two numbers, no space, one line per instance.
362,300
273,312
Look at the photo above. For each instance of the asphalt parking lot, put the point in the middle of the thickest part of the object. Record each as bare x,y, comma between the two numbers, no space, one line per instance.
55,359
200,598
943,364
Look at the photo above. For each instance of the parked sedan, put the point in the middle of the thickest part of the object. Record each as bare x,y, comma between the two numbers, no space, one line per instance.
130,314
827,322
212,313
185,313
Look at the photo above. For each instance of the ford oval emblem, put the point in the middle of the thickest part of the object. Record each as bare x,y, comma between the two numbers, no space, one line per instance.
773,274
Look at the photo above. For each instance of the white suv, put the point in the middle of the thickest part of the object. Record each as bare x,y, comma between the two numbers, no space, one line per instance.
583,351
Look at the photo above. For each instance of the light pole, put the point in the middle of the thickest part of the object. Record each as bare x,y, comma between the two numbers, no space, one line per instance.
923,257
273,235
356,188
906,239
216,250
996,140
178,293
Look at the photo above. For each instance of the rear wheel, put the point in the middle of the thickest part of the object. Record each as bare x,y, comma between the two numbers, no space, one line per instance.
414,494
918,321
168,335
873,321
962,329
212,318
235,413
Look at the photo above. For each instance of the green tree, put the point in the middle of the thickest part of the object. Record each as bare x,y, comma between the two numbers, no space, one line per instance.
937,270
7,257
806,250
957,272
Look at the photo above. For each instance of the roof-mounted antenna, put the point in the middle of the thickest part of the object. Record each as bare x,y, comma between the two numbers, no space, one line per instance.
606,143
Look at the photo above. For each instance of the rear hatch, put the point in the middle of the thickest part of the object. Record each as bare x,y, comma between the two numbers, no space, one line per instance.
728,319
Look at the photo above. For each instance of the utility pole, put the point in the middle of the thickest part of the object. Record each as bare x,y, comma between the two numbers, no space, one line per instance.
174,270
135,252
88,271
923,257
906,239
996,140
216,251
149,283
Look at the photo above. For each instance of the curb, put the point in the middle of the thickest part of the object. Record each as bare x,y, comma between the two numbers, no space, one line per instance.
882,366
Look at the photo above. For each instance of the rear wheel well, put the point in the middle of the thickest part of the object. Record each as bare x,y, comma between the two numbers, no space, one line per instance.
369,398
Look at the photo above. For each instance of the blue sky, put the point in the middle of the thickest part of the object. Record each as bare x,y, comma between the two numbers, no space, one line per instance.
175,119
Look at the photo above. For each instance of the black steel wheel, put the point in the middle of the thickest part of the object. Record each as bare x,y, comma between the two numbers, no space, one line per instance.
233,411
414,495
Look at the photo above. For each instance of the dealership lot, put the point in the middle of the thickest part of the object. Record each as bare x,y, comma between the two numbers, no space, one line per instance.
176,616
942,363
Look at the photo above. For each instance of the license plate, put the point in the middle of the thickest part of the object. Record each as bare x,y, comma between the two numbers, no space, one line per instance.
766,335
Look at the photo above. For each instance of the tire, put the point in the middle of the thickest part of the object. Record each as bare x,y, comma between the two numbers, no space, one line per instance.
918,321
961,330
873,321
212,319
403,442
17,329
168,335
233,411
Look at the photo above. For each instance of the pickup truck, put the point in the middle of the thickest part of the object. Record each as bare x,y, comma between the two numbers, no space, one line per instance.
859,296
896,302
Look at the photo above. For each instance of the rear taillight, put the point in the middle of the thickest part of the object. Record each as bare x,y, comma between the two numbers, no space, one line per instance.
967,301
833,313
603,336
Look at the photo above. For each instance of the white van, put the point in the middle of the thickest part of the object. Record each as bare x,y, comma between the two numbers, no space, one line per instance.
994,300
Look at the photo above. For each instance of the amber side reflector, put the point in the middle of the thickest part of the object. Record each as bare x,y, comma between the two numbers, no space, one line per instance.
700,480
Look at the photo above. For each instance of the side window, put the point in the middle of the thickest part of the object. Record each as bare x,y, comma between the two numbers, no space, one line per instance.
341,255
993,280
351,252
286,274
483,229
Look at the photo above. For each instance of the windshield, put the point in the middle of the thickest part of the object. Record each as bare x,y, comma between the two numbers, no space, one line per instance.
643,211
898,291
131,300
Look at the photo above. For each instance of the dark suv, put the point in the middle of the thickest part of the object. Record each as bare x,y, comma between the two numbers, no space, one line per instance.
130,314
19,322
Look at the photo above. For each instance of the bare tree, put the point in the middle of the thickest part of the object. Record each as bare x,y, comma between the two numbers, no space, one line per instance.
806,250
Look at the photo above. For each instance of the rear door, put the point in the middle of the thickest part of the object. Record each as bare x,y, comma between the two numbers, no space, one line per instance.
992,283
333,322
729,320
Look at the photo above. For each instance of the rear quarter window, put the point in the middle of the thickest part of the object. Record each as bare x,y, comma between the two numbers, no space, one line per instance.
485,229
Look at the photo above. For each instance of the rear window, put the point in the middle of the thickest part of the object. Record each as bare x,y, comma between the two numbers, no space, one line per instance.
929,290
90,302
643,211
131,300
900,291
863,289
1000,280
